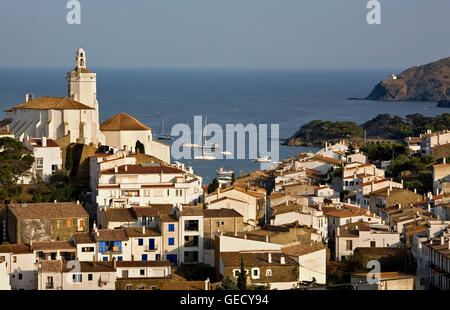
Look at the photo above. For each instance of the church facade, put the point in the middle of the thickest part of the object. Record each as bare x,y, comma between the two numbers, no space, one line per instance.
76,115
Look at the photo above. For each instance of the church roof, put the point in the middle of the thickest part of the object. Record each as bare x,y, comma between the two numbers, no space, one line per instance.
52,103
122,121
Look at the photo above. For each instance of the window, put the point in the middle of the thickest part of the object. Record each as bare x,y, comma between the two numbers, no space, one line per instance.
14,259
90,277
255,273
144,257
142,272
373,244
268,273
69,223
54,168
77,278
236,273
171,241
119,258
151,244
87,249
20,276
80,223
129,287
140,241
349,245
105,258
171,227
39,166
191,225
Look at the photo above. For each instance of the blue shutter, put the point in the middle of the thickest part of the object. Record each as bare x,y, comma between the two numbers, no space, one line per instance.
151,244
140,241
144,257
118,244
102,246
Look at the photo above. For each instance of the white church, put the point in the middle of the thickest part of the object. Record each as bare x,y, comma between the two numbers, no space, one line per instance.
77,116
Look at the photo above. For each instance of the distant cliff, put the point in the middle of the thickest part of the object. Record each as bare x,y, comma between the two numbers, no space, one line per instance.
429,82
384,126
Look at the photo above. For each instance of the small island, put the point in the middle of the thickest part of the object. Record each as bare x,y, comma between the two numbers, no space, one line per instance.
382,127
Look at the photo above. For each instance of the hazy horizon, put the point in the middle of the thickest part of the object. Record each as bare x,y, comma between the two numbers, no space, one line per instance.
227,34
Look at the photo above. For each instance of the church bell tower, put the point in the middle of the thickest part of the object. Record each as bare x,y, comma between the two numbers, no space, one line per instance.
82,87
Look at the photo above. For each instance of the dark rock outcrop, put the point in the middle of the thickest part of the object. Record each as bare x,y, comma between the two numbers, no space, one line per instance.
429,82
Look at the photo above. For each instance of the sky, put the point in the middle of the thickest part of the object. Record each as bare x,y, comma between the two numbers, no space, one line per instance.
225,33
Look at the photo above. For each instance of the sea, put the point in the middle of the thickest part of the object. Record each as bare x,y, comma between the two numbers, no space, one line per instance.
289,98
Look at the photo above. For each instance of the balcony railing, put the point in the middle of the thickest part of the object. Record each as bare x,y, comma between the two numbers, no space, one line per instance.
149,249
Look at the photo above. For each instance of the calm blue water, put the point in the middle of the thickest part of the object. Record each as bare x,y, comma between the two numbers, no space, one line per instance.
287,97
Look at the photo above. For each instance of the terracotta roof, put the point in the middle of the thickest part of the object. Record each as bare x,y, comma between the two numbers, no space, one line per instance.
220,213
84,238
112,235
153,210
15,249
439,166
49,210
302,249
224,198
53,245
38,142
138,232
50,266
52,103
122,121
191,211
250,259
139,169
154,263
120,215
167,218
91,267
4,132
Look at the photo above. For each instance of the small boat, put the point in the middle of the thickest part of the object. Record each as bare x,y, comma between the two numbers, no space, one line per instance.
263,159
224,172
204,157
162,136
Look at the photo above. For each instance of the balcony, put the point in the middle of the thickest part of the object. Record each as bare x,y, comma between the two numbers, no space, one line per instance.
148,249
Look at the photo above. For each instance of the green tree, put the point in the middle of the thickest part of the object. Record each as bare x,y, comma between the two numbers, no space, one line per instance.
69,159
213,186
140,146
13,163
227,284
242,279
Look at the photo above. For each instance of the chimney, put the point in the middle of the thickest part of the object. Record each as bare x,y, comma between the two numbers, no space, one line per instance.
443,160
143,230
116,169
400,206
415,191
442,240
207,284
44,141
267,238
371,185
78,202
338,230
282,260
126,167
269,259
115,263
245,236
